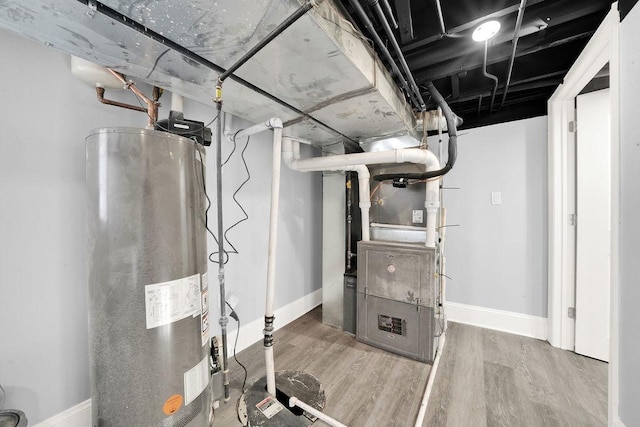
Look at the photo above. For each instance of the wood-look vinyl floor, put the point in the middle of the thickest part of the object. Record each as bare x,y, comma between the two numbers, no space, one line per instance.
490,378
485,378
364,386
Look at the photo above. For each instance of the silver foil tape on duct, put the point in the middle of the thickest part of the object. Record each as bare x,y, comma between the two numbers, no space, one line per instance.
147,279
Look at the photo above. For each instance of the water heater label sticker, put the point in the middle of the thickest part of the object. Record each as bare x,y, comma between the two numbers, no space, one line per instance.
172,404
269,407
171,301
196,380
205,309
205,328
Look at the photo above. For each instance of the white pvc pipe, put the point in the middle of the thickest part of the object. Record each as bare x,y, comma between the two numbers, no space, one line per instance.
294,401
270,369
432,377
94,74
407,155
273,123
291,157
177,103
276,124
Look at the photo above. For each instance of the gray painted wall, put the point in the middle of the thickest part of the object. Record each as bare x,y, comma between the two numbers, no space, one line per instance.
43,320
497,257
629,278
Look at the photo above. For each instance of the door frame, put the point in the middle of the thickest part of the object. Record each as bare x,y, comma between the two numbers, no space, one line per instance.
602,48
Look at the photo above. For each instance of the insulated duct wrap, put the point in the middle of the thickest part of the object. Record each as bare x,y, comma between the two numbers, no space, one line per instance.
147,280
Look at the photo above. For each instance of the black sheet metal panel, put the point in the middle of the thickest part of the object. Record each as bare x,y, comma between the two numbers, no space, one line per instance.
147,268
396,298
349,304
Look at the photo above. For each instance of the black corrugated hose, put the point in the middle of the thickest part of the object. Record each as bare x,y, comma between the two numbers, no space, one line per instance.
452,143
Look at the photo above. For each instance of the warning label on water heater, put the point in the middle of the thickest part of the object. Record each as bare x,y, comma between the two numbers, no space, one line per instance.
171,301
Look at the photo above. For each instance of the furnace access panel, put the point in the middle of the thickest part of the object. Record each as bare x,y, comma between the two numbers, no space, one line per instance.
396,298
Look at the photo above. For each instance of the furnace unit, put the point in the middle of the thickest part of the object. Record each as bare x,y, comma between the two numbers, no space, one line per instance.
396,298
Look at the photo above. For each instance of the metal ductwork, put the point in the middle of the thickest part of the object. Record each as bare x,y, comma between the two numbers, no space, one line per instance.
320,75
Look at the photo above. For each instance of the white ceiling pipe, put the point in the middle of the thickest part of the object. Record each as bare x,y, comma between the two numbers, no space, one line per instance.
94,74
177,103
273,123
407,155
291,153
294,401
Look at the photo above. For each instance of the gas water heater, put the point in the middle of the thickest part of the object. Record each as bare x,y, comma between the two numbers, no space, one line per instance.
147,277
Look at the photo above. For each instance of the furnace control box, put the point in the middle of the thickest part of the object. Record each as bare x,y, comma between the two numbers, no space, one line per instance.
397,297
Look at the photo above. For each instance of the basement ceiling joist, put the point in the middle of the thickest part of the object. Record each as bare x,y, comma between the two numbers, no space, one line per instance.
552,35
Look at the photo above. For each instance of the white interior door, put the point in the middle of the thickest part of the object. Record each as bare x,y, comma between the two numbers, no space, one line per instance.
593,242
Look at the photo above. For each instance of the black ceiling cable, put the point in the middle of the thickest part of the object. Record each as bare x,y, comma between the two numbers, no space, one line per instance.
159,38
452,144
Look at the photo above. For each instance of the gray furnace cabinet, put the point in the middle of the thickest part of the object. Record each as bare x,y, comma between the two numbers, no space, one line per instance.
396,298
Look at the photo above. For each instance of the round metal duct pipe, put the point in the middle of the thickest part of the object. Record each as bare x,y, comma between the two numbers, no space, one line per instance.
147,268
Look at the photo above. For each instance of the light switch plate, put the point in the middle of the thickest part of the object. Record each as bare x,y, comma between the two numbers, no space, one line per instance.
496,198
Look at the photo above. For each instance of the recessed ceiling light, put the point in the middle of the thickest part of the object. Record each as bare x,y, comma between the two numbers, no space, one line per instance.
485,31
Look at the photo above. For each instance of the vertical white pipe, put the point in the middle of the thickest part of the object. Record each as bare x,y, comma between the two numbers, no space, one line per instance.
432,204
364,199
432,377
270,370
349,161
291,156
271,257
177,103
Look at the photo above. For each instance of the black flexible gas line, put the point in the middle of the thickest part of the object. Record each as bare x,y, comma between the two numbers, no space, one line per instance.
452,144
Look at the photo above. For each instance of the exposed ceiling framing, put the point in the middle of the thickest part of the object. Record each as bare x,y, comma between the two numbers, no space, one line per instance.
552,35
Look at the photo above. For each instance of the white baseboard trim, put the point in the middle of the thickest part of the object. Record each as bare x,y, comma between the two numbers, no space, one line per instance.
251,333
499,320
76,416
80,415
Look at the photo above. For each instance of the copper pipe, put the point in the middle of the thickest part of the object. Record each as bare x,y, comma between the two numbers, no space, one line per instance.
101,98
152,106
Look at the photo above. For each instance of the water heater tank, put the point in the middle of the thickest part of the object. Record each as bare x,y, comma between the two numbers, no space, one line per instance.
147,277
